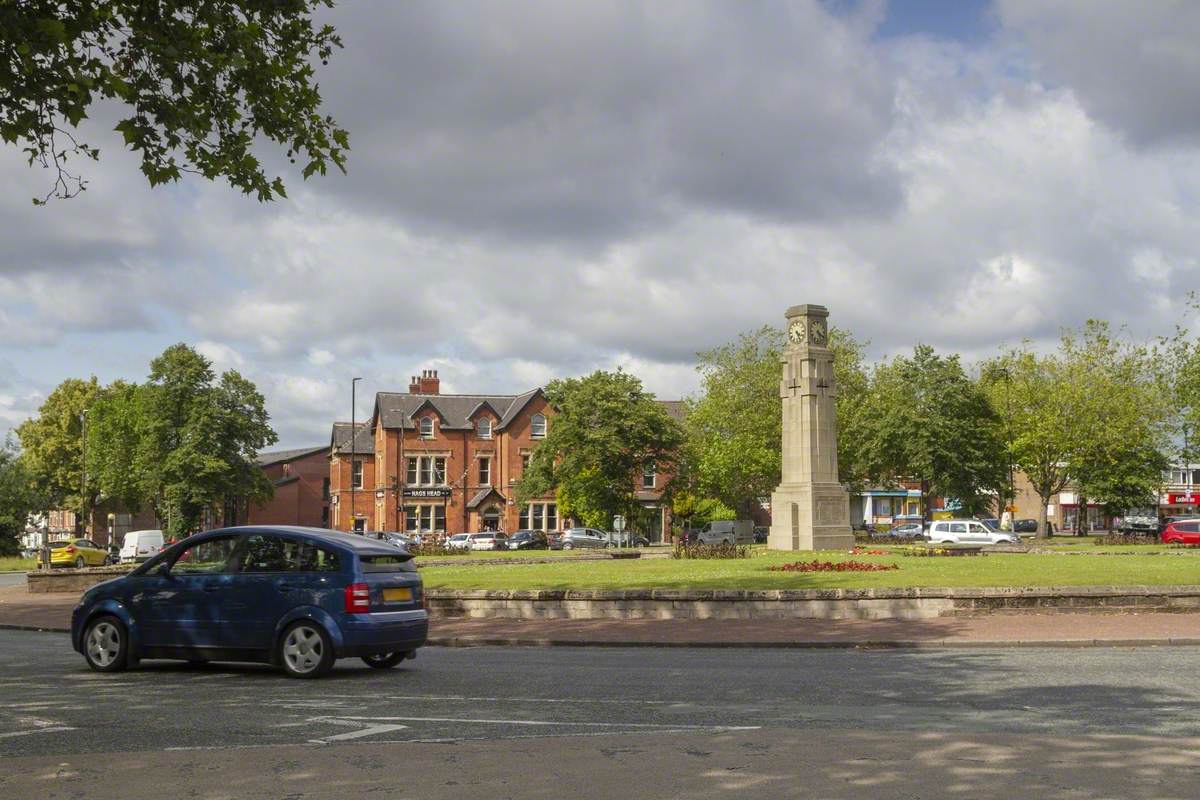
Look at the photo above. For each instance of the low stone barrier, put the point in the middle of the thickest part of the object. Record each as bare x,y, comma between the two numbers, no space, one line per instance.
925,603
48,581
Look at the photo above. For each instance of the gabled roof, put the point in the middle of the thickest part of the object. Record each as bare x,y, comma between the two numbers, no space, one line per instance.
675,409
482,495
279,456
397,409
364,441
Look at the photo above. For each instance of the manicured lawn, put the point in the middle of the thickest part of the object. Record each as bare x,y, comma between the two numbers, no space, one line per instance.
17,564
752,573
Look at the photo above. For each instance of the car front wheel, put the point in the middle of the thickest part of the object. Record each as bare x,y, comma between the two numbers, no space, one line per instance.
105,644
305,650
384,660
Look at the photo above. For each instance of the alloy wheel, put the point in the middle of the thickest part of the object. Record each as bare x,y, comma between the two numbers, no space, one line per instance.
104,643
303,649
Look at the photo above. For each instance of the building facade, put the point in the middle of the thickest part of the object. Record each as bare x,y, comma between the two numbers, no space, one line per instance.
300,479
433,463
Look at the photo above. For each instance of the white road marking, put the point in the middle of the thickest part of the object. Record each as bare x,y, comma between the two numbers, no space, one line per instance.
364,728
48,729
566,723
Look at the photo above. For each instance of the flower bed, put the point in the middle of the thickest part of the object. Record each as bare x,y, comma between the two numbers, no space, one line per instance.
833,566
711,551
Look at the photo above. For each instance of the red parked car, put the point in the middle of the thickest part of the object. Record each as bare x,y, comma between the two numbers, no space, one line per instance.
1182,532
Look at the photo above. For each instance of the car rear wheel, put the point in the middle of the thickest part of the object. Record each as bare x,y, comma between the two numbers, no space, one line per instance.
305,650
384,660
80,563
568,546
105,644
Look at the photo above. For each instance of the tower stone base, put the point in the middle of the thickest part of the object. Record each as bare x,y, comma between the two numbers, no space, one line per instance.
812,516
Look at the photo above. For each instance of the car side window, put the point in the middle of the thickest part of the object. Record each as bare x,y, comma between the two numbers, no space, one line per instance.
977,528
207,557
958,527
264,553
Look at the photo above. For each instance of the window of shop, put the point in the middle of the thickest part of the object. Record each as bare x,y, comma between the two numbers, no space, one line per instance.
537,426
883,506
483,429
425,519
539,517
485,472
426,471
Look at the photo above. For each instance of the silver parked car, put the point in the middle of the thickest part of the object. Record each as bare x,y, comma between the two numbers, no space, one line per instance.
576,538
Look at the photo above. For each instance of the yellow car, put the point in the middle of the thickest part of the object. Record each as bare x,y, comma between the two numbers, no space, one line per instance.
78,553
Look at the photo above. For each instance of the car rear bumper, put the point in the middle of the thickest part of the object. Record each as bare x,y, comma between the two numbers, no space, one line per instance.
383,632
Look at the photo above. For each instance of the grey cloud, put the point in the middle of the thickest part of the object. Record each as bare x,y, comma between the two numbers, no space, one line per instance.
1134,66
592,121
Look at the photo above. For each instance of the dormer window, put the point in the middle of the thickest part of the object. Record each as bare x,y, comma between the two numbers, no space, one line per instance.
537,426
483,428
426,427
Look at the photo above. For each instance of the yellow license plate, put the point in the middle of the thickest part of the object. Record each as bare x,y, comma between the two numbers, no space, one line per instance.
397,595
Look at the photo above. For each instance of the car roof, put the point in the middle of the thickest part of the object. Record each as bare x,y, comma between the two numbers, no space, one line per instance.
351,541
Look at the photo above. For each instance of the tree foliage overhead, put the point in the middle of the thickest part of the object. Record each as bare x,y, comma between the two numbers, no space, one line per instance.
735,425
201,80
605,431
925,419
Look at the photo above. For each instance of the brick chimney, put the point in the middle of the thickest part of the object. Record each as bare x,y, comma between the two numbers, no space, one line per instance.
427,383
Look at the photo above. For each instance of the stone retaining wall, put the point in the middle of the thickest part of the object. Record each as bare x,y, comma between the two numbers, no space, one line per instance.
71,580
924,603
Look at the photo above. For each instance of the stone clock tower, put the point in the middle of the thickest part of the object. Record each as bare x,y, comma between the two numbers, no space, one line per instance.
810,510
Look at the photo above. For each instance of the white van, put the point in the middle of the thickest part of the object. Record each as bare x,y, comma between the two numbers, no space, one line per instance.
727,531
141,545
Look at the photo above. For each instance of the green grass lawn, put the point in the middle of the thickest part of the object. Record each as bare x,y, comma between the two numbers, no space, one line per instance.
15,564
988,570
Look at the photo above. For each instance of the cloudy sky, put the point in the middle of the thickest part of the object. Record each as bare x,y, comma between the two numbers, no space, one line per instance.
540,189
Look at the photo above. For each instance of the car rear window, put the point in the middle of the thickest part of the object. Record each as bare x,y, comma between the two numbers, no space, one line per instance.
401,562
57,545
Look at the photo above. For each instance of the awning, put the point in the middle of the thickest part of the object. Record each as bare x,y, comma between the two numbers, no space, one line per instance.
483,495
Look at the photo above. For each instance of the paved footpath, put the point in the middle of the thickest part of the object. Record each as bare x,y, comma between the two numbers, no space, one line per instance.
22,610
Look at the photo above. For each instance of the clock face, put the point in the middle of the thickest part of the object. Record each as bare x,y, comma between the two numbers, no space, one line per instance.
796,331
817,332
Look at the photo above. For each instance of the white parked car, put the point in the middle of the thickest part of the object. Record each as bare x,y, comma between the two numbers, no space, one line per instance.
459,541
489,541
141,545
967,531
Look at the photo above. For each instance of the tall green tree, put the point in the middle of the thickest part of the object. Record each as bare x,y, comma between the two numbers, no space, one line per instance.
114,445
605,431
203,83
19,497
52,444
925,419
735,425
1092,416
198,438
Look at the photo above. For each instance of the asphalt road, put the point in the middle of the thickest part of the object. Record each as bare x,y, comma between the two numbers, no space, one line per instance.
583,722
11,578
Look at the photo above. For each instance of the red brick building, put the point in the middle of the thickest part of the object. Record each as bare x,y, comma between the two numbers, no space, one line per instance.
448,463
301,481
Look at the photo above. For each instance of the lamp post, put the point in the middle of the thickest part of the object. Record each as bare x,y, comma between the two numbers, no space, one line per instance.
353,447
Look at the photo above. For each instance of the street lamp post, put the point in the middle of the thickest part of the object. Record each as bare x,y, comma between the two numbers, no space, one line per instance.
353,447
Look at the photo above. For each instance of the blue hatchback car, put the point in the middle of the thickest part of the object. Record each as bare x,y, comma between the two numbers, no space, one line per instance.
296,597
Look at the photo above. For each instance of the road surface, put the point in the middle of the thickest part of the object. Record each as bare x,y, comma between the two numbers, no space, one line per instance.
598,723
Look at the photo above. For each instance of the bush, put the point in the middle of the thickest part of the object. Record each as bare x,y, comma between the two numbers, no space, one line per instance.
436,549
917,551
710,551
1125,539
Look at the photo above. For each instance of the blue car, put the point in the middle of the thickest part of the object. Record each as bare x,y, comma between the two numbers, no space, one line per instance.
295,597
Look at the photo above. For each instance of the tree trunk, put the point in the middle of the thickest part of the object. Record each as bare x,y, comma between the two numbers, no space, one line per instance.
926,507
1042,533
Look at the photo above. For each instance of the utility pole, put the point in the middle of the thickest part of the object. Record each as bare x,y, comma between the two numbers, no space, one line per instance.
353,447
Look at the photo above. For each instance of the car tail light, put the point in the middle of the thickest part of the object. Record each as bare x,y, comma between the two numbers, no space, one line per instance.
358,598
70,548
